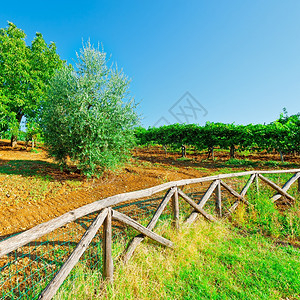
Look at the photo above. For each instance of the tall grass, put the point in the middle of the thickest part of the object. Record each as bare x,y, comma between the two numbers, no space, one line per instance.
210,261
270,219
242,259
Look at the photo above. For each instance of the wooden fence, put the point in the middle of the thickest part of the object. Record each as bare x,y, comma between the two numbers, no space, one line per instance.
107,213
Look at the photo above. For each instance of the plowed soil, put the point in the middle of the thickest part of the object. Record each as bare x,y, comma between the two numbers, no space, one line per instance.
34,190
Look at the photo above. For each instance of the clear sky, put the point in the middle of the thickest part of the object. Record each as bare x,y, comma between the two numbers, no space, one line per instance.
238,60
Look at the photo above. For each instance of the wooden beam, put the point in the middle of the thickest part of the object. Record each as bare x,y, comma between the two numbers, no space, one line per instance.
232,208
243,193
175,208
72,260
219,200
208,193
257,183
276,187
193,216
246,187
196,206
142,229
233,192
286,186
278,171
161,207
139,238
108,267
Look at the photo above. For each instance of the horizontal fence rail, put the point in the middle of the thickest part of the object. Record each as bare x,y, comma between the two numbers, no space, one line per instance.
107,212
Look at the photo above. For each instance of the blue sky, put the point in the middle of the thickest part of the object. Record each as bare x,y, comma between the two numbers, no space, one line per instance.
239,60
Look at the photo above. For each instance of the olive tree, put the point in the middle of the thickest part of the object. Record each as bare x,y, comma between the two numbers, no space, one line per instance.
89,115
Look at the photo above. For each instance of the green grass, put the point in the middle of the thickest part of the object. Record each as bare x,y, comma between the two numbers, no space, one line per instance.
240,162
264,217
255,256
210,261
234,162
245,152
184,159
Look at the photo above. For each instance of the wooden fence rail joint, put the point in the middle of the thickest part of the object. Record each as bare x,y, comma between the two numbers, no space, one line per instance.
196,206
144,230
276,187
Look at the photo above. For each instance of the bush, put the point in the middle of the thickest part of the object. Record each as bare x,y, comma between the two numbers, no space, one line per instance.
89,116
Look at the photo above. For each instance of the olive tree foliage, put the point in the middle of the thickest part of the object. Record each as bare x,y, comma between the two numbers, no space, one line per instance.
89,115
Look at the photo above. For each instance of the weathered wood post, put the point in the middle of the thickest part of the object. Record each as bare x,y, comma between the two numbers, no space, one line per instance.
256,183
219,200
175,207
108,267
64,271
139,238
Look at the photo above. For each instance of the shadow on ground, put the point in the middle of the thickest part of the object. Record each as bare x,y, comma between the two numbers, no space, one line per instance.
38,168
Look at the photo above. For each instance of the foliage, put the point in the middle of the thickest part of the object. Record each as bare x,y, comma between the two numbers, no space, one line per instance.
24,75
282,135
89,115
33,131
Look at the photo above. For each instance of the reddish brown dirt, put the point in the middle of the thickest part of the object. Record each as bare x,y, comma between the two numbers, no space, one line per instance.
27,199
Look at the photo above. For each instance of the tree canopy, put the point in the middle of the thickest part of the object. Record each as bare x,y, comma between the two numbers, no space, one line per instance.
89,114
24,75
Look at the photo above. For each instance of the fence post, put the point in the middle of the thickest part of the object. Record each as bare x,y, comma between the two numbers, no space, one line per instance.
175,207
219,200
256,183
108,267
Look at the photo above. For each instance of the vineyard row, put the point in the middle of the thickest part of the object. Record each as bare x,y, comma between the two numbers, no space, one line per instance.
282,136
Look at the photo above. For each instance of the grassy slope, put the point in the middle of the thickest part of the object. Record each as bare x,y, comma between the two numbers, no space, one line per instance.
242,259
210,261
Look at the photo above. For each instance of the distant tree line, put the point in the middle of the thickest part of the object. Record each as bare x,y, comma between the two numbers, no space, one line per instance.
282,135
